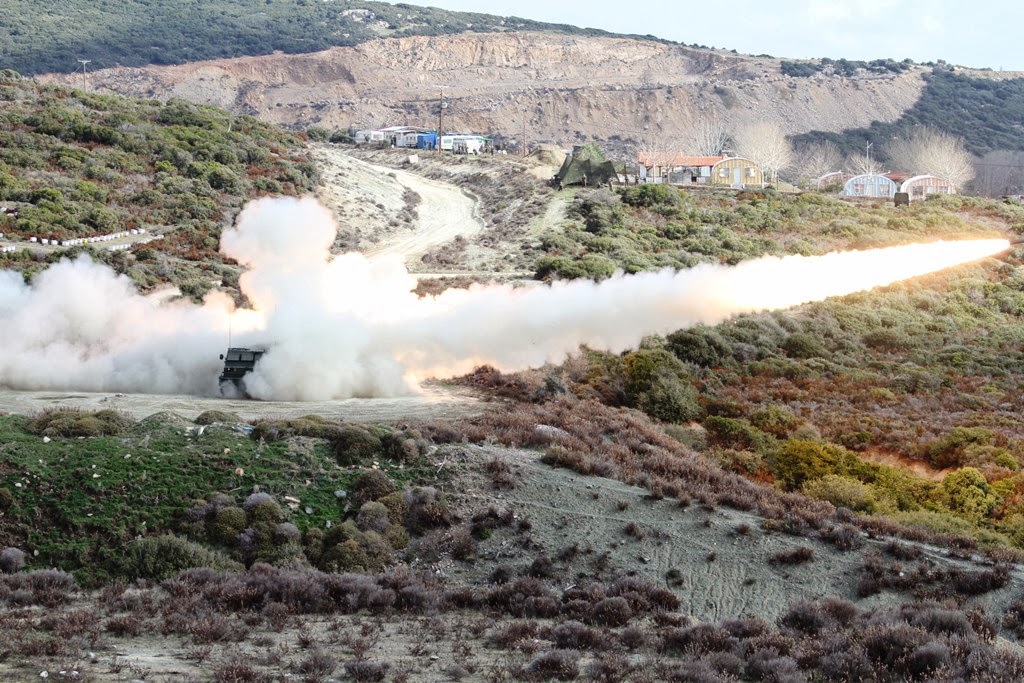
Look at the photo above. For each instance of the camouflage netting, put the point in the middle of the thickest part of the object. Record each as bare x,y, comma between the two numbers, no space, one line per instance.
588,165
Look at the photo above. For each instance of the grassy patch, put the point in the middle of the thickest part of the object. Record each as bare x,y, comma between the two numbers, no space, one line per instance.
76,502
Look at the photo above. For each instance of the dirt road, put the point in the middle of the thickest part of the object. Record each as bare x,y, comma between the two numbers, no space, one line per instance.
435,402
387,211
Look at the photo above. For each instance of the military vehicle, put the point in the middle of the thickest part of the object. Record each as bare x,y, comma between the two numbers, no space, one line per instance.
238,362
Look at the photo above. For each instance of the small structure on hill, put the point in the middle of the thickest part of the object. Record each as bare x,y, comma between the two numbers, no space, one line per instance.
724,170
833,179
870,185
920,186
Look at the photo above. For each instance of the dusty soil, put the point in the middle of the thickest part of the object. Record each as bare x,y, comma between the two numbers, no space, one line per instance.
466,217
435,401
560,88
387,211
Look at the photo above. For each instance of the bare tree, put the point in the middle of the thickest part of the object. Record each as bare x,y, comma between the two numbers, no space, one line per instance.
933,152
815,159
706,135
863,164
765,144
999,172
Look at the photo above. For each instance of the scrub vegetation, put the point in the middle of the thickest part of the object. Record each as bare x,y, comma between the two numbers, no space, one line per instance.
873,440
75,165
137,32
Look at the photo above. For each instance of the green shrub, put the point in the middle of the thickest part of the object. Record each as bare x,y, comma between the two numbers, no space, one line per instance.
371,485
373,516
966,492
226,524
65,422
796,462
774,420
161,557
348,548
210,416
700,346
658,383
951,450
354,444
662,199
842,491
261,507
802,345
6,498
736,433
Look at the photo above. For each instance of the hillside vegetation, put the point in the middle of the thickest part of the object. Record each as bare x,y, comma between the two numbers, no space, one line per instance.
76,164
899,401
986,113
140,32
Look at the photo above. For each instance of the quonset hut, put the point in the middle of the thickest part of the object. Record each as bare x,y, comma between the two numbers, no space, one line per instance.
869,185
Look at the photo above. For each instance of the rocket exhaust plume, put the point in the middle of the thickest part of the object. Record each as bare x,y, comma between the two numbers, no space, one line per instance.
348,326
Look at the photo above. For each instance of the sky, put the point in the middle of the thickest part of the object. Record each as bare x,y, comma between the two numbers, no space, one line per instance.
973,34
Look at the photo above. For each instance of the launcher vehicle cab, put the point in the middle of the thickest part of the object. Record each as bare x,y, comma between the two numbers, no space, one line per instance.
238,363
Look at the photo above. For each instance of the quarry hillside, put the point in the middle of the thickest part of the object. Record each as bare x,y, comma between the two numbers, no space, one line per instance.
555,87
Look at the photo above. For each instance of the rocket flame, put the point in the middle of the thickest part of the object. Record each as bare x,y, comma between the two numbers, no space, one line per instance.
350,326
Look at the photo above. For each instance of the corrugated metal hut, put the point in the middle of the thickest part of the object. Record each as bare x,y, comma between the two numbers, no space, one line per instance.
920,186
869,185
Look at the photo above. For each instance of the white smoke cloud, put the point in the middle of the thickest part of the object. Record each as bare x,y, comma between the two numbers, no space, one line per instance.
349,326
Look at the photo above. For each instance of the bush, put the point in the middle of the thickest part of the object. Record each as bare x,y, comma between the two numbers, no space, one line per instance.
701,346
427,509
843,492
561,665
161,557
355,444
261,507
11,560
371,485
373,516
64,422
800,345
966,492
209,417
611,612
798,555
362,670
797,461
226,524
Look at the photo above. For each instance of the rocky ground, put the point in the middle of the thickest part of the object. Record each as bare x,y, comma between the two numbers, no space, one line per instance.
558,88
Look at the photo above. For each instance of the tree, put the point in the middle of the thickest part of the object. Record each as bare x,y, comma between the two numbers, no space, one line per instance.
863,164
815,159
705,135
927,151
764,143
998,173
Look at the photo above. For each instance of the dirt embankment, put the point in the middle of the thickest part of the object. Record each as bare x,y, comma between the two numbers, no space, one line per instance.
555,87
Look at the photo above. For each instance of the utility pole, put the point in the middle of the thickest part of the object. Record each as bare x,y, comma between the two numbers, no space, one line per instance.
83,62
524,133
867,151
440,118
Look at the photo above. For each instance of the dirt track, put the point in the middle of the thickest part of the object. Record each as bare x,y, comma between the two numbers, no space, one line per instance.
367,200
435,402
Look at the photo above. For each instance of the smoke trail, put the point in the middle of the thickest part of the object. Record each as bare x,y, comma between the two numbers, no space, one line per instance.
349,326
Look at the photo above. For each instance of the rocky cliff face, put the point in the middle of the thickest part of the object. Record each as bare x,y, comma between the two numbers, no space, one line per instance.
559,88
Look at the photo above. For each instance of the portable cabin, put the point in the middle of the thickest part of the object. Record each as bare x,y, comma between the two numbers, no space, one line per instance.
426,141
365,137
